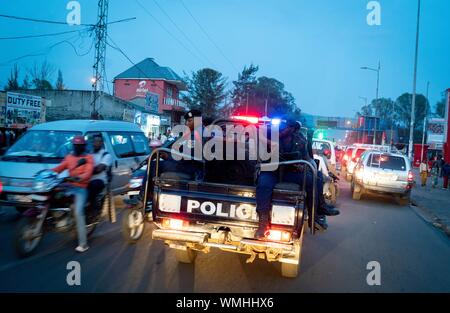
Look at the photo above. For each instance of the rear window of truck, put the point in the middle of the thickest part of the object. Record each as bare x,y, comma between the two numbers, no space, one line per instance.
388,162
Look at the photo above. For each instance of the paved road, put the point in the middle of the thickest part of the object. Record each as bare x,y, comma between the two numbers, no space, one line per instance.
414,257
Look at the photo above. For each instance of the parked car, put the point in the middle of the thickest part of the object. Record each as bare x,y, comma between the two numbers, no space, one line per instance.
45,145
383,172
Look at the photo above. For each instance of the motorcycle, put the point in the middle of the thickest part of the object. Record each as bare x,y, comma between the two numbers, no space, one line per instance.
332,194
52,211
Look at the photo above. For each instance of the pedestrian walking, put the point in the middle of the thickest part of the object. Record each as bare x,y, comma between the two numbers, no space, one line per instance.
445,174
441,163
435,172
424,172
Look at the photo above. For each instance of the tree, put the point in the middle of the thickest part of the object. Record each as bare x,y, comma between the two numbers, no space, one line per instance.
261,92
271,92
243,86
206,91
59,82
13,80
26,82
440,108
403,110
41,76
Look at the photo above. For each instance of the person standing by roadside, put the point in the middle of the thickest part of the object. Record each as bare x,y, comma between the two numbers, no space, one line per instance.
424,172
435,172
445,174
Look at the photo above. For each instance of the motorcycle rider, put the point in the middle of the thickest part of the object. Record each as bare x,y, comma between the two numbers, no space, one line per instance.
80,166
331,167
101,174
291,141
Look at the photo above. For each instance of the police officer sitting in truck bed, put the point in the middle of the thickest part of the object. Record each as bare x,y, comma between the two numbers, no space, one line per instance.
292,141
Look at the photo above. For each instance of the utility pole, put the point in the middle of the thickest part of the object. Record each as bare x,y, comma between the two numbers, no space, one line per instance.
376,101
424,123
392,123
375,124
413,106
98,80
267,100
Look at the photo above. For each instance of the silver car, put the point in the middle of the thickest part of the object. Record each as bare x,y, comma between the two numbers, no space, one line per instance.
383,172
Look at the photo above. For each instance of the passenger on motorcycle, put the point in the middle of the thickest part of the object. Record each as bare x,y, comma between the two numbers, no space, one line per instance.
102,171
80,166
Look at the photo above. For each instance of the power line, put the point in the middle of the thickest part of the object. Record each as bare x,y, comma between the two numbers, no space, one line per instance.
59,22
39,20
46,51
122,20
170,34
41,35
183,33
207,35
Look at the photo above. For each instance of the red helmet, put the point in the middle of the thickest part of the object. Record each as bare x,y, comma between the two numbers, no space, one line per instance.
78,140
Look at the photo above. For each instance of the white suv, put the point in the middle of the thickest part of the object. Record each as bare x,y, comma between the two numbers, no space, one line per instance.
383,172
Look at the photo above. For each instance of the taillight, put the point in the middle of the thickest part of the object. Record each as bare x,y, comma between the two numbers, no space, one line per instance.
174,223
410,177
278,235
359,172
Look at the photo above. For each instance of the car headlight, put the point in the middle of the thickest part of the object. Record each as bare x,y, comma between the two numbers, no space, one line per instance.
283,215
135,183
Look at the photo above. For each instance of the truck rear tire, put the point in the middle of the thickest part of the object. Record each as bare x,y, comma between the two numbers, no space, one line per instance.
402,200
132,225
187,256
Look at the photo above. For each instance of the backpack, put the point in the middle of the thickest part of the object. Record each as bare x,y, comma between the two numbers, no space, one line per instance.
109,173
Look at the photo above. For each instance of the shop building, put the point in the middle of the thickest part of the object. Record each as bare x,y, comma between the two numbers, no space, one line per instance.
157,89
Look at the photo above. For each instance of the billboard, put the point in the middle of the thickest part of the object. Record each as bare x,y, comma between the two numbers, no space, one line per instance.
436,133
22,110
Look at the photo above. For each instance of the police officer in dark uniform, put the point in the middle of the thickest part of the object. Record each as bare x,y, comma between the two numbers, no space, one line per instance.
192,168
293,146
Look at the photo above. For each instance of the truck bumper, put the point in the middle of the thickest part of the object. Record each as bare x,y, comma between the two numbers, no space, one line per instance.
202,239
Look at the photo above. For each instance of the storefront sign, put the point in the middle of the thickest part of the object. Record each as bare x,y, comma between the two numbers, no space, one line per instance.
23,109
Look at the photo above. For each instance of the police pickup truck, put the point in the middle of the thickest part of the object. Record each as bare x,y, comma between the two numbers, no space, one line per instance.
196,216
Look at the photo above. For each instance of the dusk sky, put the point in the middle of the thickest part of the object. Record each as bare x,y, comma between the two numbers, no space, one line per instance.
316,48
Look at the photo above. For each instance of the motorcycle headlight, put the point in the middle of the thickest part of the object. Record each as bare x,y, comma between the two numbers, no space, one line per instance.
44,181
135,182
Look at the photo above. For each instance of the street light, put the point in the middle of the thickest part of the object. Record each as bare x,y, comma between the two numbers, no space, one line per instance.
424,123
413,106
378,85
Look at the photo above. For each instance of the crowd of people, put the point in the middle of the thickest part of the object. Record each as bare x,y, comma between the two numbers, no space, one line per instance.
438,169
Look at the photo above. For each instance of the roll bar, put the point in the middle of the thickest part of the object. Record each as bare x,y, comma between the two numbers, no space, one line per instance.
258,167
